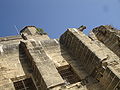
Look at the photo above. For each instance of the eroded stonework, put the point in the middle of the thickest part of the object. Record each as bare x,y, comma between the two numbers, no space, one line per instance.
75,61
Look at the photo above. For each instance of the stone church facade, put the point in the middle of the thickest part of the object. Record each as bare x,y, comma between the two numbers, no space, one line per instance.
75,61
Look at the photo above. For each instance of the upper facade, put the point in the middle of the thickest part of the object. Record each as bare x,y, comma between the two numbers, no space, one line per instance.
75,61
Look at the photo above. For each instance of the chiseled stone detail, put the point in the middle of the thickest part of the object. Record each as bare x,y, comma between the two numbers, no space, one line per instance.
75,61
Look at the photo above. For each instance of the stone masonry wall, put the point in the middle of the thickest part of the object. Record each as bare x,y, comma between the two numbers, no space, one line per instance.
81,47
91,56
109,36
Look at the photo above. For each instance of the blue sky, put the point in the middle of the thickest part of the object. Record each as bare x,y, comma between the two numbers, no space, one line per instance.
55,16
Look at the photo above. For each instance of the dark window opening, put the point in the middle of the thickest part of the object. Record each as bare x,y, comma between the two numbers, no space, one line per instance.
69,76
26,84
